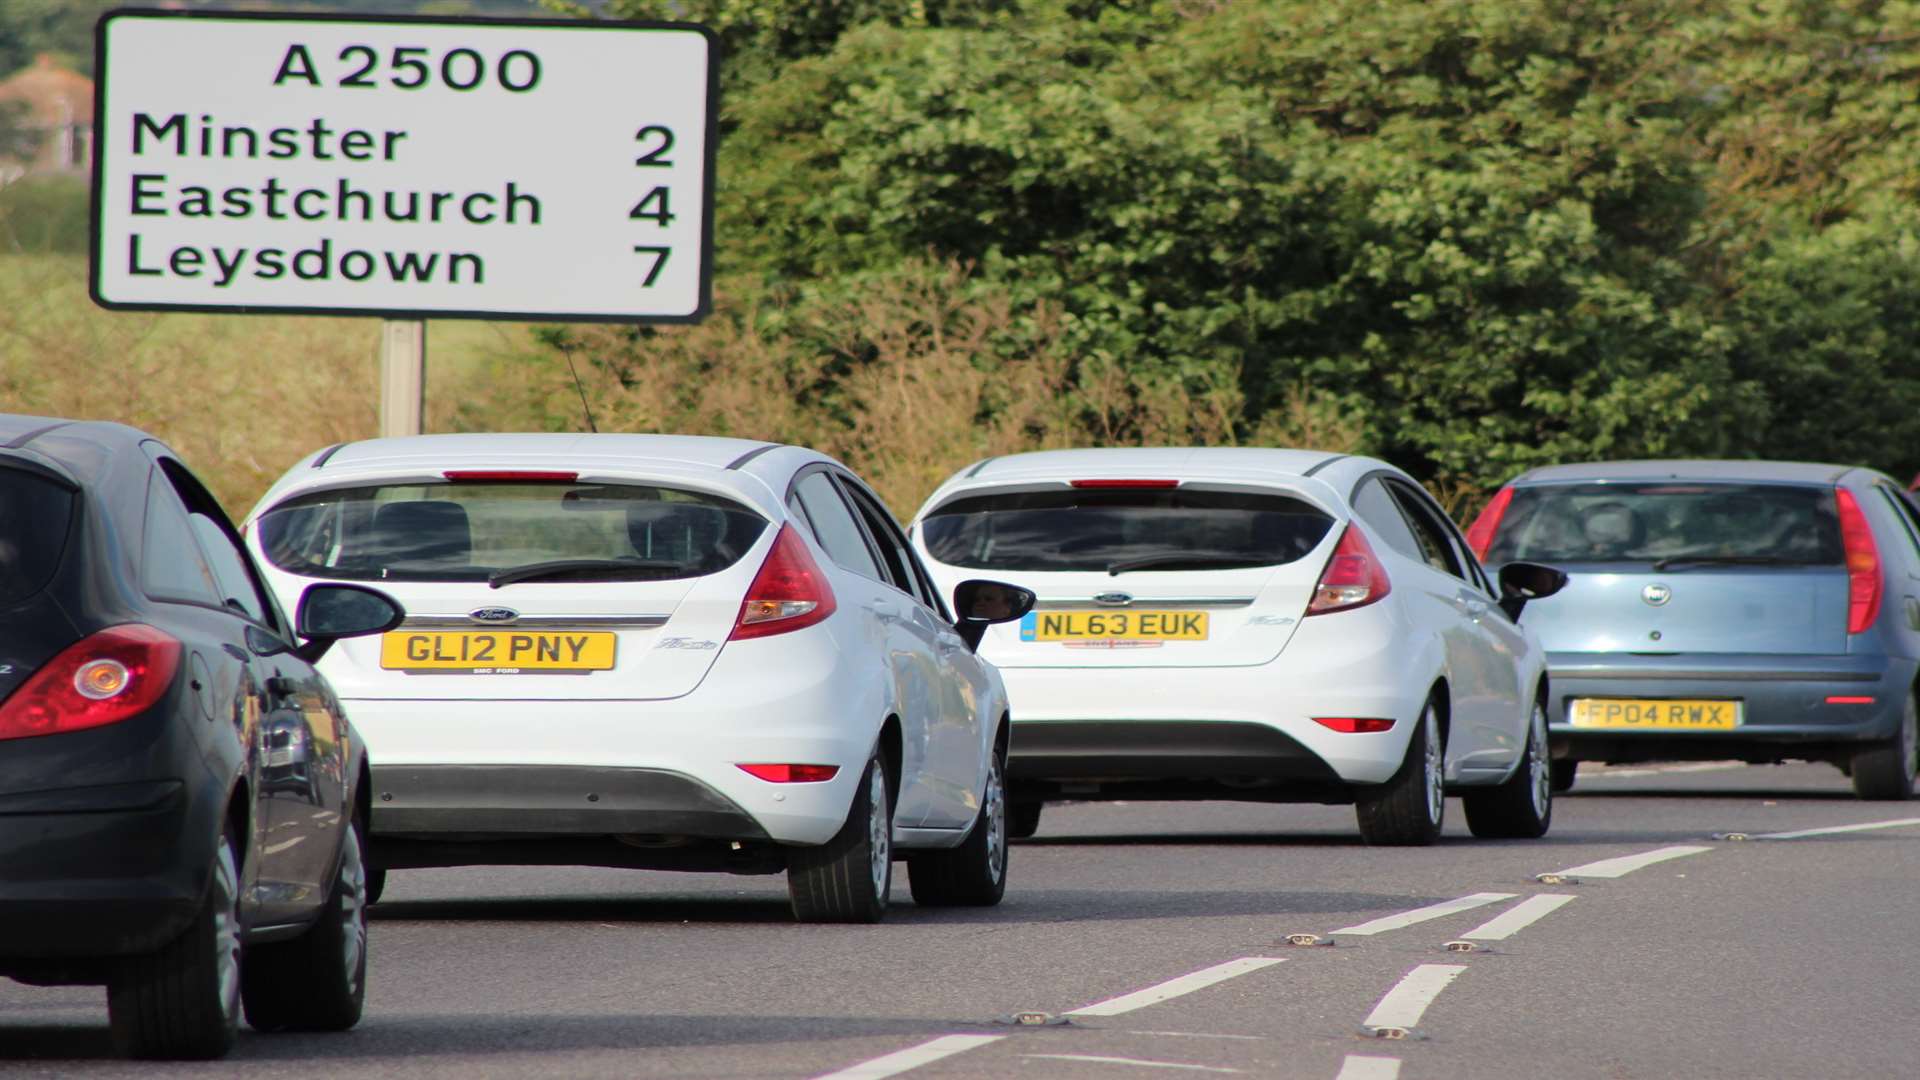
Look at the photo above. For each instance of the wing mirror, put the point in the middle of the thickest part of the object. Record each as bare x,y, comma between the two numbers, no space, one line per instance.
979,604
1524,581
328,613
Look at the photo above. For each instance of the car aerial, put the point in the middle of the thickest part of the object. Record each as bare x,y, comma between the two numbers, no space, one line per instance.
147,842
655,651
1748,610
1255,624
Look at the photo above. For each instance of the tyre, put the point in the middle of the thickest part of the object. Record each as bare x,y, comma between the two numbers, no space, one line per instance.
1023,818
1564,771
1886,770
376,884
183,1001
317,981
849,878
1520,807
975,873
1407,811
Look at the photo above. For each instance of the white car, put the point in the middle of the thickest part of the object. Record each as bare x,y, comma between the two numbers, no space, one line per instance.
654,651
1269,625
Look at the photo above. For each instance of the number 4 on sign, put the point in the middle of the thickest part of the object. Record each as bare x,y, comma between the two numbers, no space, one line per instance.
659,261
657,199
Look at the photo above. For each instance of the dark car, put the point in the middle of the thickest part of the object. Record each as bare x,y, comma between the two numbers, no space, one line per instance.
148,840
1751,610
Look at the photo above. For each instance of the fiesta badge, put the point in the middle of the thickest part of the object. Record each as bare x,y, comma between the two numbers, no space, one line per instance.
495,615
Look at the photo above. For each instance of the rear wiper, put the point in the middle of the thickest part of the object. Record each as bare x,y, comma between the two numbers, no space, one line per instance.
563,567
1174,559
1729,560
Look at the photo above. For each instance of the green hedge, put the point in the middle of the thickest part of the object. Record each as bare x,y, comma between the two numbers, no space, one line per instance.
44,215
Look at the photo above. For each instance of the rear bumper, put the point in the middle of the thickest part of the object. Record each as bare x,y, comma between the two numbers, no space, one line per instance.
1785,711
1166,759
490,800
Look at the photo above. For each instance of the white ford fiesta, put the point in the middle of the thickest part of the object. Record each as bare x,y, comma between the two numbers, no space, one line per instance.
655,651
1269,625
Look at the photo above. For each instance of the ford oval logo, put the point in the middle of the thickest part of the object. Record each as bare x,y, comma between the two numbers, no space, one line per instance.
1115,598
493,614
1656,594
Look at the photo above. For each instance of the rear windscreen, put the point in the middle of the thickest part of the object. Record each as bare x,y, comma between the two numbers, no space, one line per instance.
1758,523
473,531
34,517
1120,529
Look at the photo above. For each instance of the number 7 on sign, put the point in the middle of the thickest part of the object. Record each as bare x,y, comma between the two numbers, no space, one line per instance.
659,262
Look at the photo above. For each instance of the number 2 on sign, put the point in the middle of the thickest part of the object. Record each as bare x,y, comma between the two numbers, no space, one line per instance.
655,142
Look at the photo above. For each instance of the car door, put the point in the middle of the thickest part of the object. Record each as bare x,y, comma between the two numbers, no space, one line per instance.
947,686
1490,714
1902,577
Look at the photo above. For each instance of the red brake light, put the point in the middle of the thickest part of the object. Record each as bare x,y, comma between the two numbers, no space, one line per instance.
1123,483
789,592
1354,725
1353,578
1863,563
510,476
1480,533
101,679
793,774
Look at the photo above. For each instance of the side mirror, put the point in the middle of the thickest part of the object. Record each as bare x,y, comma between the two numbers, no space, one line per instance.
1524,581
978,604
328,613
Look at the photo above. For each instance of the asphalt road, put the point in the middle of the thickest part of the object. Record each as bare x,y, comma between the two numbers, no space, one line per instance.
1159,934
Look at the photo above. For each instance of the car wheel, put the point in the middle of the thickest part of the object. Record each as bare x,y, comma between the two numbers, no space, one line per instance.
317,981
183,1001
1023,818
376,884
1564,771
975,873
1407,811
1886,771
849,878
1521,807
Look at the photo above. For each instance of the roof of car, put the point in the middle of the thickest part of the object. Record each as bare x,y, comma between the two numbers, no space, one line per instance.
1120,460
1803,472
498,449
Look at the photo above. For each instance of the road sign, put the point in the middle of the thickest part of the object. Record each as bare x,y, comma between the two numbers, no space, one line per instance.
405,167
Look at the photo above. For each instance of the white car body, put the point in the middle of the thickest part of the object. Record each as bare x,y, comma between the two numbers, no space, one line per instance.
1233,716
639,764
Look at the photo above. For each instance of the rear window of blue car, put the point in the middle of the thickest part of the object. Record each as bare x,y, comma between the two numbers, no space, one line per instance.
35,514
1761,524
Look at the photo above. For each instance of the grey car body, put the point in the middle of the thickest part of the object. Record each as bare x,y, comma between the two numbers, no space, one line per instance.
1723,592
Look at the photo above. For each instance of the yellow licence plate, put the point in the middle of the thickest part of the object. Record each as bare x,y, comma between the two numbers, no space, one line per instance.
1654,715
497,652
1114,625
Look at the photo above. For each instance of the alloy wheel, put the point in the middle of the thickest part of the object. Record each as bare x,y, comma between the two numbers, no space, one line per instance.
1540,769
996,820
879,831
353,906
226,928
1436,791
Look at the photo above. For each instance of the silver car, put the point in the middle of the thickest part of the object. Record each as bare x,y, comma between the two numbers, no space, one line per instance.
1749,610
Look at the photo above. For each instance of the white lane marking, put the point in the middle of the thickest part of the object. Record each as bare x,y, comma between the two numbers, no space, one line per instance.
1408,1000
1839,829
911,1058
1173,988
1202,1035
1420,915
275,849
1143,1063
1627,864
1360,1067
1518,917
1709,766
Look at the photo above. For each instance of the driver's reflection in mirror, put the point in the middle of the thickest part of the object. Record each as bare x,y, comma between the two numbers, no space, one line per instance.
990,605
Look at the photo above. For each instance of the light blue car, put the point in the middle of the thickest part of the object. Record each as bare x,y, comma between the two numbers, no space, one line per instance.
1751,610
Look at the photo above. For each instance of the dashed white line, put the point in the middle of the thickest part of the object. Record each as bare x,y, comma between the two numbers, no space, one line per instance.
1830,830
1141,1062
1420,915
1708,766
275,849
911,1058
1408,1000
1201,1035
1627,864
1361,1067
1173,988
1518,917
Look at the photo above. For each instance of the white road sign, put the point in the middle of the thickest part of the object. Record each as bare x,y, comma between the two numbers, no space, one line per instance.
487,168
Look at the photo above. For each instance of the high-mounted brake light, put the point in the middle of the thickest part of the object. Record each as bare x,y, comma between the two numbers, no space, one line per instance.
101,679
793,774
1123,483
1354,577
789,592
510,476
1354,725
1480,533
1863,563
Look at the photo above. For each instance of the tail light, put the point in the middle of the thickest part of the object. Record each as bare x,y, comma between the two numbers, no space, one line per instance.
510,476
789,592
101,679
1097,484
1863,564
792,774
1480,533
1353,578
1354,725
